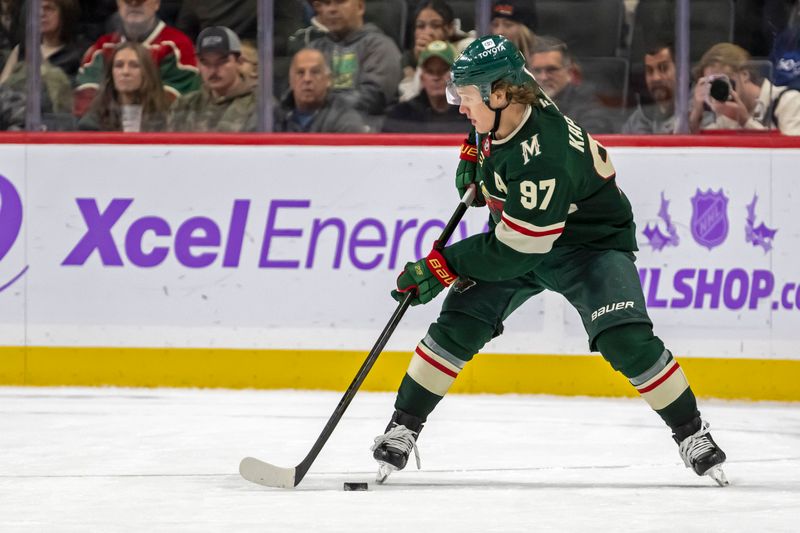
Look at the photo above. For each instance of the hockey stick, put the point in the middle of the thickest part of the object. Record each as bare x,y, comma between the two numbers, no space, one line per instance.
263,473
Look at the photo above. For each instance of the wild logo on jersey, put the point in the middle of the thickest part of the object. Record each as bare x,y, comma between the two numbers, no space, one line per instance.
494,203
530,148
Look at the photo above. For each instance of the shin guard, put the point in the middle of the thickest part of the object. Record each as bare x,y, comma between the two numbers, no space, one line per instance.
664,386
640,356
430,374
662,383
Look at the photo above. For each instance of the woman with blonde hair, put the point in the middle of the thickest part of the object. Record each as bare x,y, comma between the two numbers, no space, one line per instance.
731,94
131,96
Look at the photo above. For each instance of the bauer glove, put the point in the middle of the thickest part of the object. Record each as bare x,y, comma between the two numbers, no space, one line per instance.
467,171
426,278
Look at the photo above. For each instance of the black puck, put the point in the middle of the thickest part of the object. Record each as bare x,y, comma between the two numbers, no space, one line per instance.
356,486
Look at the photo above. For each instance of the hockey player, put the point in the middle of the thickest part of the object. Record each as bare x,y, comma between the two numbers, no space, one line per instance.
559,222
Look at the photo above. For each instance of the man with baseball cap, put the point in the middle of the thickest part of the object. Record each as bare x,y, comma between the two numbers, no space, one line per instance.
429,111
226,102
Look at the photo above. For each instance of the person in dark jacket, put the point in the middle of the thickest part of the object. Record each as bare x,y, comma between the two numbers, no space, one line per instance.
60,44
555,69
429,111
309,106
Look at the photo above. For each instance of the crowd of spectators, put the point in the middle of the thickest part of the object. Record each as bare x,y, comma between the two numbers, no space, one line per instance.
556,70
192,65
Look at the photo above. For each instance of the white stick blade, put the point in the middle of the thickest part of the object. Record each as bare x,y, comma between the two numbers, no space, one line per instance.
258,471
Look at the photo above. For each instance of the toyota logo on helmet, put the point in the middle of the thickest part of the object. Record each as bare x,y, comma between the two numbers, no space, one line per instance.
485,61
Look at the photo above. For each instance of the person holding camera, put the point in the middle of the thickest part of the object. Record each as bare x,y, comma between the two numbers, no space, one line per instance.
730,94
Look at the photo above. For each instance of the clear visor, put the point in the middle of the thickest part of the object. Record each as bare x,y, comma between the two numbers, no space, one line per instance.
453,98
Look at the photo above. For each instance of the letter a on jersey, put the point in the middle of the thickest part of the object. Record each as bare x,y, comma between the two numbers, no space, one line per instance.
498,182
530,149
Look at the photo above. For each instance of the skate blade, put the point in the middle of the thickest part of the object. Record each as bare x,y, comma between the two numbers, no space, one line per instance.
717,474
384,469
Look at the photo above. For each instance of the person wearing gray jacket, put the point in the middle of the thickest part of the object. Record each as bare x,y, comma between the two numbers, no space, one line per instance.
309,106
365,63
661,81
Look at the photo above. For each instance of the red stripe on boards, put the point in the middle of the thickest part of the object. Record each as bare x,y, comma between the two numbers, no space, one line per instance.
437,365
661,380
531,233
748,139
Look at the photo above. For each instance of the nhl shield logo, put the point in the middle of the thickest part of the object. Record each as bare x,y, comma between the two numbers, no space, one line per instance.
709,218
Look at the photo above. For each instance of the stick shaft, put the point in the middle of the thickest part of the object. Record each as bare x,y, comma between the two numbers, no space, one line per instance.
394,320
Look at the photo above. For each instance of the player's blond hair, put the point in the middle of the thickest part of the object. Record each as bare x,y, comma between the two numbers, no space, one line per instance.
519,94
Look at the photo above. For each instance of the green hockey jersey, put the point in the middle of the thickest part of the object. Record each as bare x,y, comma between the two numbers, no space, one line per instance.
548,183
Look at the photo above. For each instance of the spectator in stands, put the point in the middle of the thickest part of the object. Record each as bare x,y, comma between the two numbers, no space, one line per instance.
365,63
738,97
515,20
10,27
248,62
59,39
172,50
309,106
226,102
12,109
55,100
303,37
785,54
429,112
434,20
659,77
552,64
56,94
131,98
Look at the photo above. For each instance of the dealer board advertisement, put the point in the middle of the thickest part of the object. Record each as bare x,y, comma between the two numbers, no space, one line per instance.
298,247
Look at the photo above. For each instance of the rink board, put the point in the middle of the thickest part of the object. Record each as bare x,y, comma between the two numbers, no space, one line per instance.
166,263
576,375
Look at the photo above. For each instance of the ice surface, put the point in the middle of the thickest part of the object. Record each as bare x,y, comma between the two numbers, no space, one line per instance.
75,459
